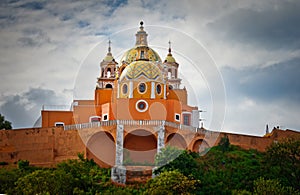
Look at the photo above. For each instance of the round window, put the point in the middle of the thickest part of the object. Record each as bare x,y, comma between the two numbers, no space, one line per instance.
142,87
158,89
125,89
141,105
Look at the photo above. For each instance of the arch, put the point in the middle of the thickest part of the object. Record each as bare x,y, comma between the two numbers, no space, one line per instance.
140,147
101,147
108,86
199,145
176,140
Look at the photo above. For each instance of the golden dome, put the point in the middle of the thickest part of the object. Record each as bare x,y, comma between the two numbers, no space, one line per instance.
108,58
138,69
140,53
170,58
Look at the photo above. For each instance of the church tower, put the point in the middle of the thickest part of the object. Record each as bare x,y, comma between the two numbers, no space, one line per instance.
171,69
108,70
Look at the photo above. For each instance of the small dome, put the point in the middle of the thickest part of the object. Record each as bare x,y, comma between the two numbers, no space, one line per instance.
170,58
135,54
108,58
142,68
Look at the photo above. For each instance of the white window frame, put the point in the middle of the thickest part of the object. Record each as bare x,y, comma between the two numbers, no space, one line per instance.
105,115
59,124
177,114
137,107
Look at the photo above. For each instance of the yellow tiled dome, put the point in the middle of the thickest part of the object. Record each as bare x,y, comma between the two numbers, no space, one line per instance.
140,53
138,69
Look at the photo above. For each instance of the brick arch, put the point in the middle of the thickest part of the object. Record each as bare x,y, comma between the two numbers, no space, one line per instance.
101,147
176,140
199,145
140,146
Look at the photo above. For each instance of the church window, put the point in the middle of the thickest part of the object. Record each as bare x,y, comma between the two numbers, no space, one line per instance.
141,106
158,89
169,73
108,86
94,119
142,55
186,119
177,117
105,117
59,124
125,88
142,87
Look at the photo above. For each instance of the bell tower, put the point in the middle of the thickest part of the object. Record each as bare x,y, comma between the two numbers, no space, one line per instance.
171,70
108,70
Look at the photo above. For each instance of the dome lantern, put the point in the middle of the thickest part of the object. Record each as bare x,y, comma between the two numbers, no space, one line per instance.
141,36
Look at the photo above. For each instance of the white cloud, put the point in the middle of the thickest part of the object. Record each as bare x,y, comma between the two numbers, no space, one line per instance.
45,47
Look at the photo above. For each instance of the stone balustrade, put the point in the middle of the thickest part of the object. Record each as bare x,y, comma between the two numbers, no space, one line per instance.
133,123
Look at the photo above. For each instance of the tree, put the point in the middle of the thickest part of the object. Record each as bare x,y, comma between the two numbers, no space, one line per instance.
283,161
45,182
171,158
272,186
224,143
171,182
4,124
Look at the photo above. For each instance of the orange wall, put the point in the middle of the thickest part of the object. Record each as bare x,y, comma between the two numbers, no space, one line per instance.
178,94
50,117
103,96
173,106
156,110
48,146
41,146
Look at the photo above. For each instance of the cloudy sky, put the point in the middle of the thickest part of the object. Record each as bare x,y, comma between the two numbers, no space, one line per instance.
46,48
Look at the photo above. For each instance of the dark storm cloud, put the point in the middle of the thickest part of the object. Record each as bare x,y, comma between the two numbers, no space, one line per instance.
34,5
24,109
276,82
274,27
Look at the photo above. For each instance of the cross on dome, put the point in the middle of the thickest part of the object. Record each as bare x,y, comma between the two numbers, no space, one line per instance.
109,48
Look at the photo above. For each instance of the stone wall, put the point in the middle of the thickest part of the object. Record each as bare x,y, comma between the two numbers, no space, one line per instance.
41,146
48,146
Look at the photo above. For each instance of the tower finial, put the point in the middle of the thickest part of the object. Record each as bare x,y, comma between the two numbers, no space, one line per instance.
141,27
109,48
169,46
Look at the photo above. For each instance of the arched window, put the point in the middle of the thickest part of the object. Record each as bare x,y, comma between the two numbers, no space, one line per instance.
158,89
108,72
169,73
124,88
142,55
142,87
109,86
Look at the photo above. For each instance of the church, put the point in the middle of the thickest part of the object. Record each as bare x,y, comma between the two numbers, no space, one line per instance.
139,107
140,102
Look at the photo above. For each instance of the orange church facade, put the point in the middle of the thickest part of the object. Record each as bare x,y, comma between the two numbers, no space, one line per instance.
140,100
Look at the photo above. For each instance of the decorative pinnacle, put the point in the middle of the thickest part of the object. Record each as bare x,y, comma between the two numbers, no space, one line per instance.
141,27
169,46
109,48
